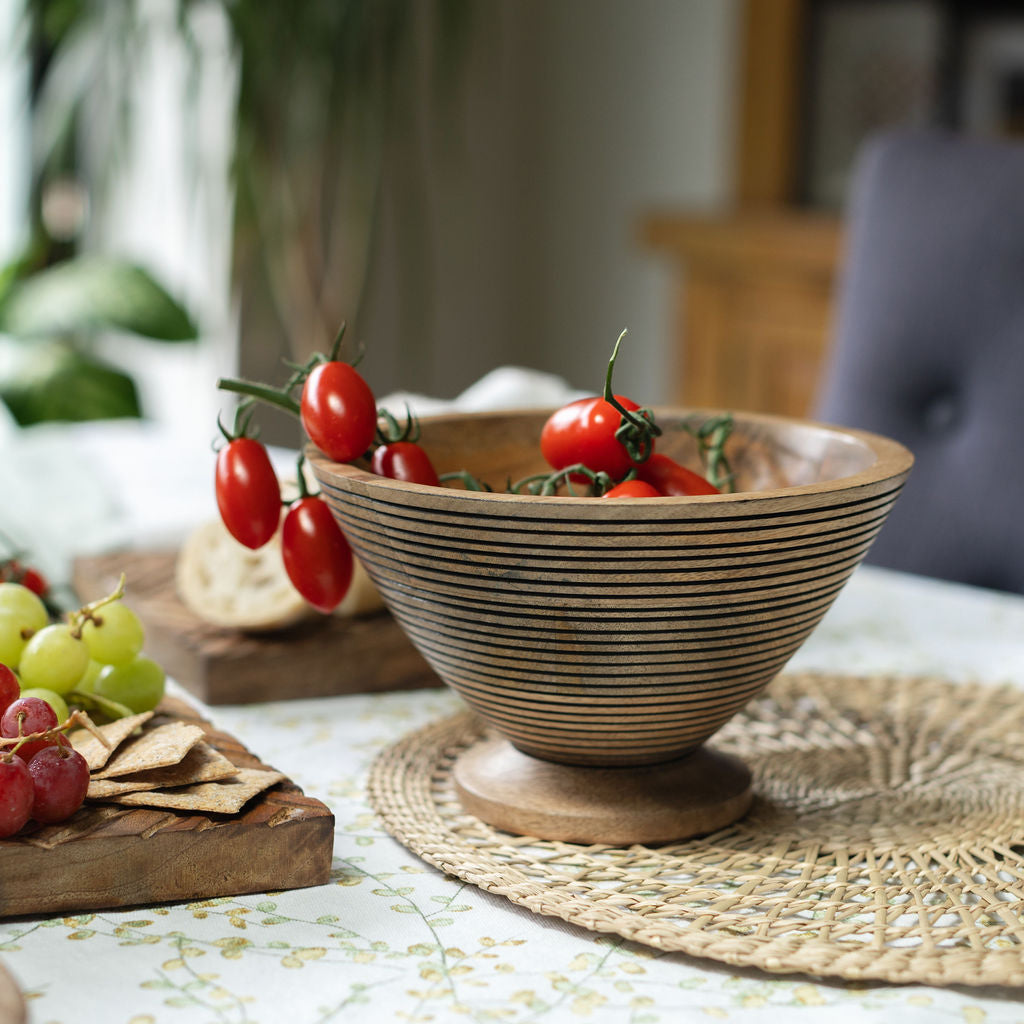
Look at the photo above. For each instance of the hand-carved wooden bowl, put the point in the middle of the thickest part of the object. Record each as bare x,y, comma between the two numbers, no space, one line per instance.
609,634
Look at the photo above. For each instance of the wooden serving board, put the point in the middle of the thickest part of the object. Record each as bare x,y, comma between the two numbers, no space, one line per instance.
318,658
108,856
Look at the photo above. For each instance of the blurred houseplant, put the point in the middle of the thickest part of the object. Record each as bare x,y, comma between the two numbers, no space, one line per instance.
51,316
55,301
321,87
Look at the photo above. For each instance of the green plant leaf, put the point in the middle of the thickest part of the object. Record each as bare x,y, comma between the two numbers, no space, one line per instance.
89,293
55,382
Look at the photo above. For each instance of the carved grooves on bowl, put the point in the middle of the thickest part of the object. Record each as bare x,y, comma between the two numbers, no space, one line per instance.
596,638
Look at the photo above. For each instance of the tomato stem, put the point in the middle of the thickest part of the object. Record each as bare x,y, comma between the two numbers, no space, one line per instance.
471,482
279,397
547,484
393,431
300,475
711,435
336,346
637,430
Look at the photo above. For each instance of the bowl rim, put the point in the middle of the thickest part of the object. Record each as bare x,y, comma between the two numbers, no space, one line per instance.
893,461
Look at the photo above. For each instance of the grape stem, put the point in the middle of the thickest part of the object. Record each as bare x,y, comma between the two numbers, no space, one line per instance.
87,613
77,717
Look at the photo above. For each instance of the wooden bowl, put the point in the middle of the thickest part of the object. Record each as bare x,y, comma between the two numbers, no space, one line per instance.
616,633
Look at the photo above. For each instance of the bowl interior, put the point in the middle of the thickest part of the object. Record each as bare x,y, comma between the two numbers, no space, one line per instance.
765,452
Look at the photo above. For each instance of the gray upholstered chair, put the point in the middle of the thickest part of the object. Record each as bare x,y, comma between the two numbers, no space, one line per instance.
928,347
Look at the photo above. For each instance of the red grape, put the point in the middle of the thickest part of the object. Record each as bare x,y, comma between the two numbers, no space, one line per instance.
15,794
60,778
10,688
33,715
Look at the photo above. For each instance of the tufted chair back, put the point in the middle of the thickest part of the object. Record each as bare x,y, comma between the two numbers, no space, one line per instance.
928,347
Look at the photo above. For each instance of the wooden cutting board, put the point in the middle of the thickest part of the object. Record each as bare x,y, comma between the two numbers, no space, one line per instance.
318,658
108,856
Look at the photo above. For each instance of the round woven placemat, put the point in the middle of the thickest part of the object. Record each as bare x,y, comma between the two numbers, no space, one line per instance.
886,838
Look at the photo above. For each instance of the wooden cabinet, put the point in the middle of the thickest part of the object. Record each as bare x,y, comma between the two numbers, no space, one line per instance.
753,297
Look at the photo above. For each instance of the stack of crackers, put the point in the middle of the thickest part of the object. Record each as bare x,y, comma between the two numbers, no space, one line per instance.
139,762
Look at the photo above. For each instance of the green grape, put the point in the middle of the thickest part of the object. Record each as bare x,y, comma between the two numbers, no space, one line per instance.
12,640
54,659
55,700
114,634
138,685
21,615
87,684
23,603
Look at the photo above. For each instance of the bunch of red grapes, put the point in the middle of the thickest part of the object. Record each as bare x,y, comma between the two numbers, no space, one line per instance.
42,777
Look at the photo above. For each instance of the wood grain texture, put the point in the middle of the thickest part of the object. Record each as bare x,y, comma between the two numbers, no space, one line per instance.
510,790
107,856
614,633
772,62
754,305
318,658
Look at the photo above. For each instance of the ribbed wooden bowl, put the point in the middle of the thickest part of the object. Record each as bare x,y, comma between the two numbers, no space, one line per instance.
590,631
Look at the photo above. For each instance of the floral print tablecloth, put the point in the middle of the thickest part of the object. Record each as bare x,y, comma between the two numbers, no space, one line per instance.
391,939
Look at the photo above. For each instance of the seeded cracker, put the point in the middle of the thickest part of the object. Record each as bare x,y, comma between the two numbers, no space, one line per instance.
225,797
201,764
155,748
95,753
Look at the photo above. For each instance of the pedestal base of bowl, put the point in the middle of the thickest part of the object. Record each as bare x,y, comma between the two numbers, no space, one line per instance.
659,803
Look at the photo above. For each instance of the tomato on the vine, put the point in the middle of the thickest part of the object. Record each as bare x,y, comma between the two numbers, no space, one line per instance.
248,493
633,489
338,411
404,460
584,431
670,478
316,555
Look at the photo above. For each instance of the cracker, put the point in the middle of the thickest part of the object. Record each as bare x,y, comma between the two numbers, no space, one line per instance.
225,797
201,764
154,748
95,753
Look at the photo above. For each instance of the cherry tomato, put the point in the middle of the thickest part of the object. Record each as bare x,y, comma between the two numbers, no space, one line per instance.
584,431
12,571
35,581
672,479
338,411
404,460
248,494
316,554
633,489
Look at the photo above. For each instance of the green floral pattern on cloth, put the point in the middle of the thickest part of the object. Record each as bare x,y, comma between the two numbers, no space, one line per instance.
391,939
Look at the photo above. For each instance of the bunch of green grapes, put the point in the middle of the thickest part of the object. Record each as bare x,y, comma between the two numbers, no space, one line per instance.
94,659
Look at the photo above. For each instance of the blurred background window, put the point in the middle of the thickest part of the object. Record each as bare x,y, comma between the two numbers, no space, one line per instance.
467,183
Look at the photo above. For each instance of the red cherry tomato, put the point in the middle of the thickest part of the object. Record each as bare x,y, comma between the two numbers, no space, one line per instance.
35,581
338,411
672,479
12,571
584,431
633,489
315,553
248,494
404,460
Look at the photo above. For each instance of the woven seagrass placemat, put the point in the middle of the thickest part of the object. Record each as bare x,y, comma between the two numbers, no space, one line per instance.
886,839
